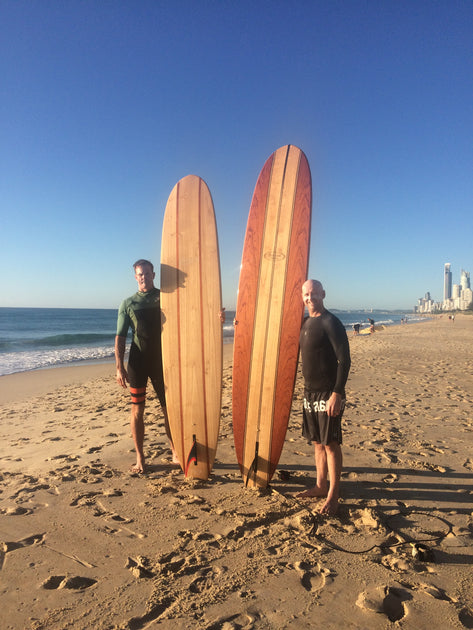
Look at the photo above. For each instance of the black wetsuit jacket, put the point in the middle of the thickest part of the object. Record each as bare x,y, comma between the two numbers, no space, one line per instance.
325,354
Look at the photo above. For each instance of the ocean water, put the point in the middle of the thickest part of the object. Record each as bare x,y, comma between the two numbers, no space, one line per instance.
38,338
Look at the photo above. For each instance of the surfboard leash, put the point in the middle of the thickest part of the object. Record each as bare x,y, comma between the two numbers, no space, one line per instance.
419,550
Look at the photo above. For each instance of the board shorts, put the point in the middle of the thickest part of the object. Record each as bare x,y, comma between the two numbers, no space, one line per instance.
142,366
317,425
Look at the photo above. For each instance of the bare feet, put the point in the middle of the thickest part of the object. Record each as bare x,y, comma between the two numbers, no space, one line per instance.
316,491
138,469
330,507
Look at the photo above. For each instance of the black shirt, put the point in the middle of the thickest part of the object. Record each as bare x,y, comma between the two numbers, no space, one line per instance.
325,354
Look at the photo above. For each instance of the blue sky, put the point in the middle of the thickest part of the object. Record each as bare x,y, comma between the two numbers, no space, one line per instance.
106,105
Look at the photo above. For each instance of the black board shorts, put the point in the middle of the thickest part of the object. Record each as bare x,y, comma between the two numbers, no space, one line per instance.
141,366
317,425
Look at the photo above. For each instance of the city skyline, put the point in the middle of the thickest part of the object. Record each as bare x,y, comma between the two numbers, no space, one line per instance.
456,297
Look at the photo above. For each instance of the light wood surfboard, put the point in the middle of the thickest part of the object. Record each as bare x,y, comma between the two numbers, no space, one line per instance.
269,312
191,331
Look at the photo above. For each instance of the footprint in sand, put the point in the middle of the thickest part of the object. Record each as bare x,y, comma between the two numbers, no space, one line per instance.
34,487
15,511
386,600
36,539
140,567
84,499
89,500
391,478
94,449
8,547
313,579
54,582
204,580
396,563
365,518
465,617
245,620
436,593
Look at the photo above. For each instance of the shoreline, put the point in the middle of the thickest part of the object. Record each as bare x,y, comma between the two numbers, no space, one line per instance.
24,385
22,361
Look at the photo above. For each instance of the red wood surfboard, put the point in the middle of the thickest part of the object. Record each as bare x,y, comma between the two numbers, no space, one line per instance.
269,312
192,332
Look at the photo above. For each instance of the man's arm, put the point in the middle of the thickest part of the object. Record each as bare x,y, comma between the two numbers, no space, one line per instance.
339,340
122,376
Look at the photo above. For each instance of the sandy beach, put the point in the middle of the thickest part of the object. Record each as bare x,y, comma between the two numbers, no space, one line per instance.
84,544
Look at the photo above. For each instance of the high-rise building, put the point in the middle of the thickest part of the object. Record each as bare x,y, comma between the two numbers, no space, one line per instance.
465,280
447,282
456,297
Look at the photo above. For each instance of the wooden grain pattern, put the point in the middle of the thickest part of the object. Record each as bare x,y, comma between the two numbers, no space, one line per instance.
269,312
192,332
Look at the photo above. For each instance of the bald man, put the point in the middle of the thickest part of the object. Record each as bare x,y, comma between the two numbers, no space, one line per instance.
325,354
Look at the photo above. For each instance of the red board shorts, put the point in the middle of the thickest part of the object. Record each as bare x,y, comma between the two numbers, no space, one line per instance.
317,425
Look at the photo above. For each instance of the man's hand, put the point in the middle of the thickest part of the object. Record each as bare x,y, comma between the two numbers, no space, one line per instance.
122,377
334,405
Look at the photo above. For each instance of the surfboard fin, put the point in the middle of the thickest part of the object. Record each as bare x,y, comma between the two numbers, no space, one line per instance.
253,469
192,457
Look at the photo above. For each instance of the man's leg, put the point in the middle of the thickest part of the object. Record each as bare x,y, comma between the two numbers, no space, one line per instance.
138,434
175,459
321,485
158,383
334,461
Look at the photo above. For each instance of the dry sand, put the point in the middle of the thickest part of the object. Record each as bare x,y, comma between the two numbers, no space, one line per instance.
87,545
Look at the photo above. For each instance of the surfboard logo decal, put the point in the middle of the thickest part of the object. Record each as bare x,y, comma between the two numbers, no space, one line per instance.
274,255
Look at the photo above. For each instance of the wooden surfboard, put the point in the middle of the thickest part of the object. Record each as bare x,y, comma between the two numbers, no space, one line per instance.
269,312
191,331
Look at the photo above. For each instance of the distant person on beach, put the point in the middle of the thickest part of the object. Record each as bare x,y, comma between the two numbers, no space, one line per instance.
371,321
356,329
142,313
325,355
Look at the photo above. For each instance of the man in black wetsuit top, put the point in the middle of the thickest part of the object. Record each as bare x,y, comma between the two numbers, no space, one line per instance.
142,313
325,355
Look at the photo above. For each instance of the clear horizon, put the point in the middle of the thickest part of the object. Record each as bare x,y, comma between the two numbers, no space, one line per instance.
333,308
106,106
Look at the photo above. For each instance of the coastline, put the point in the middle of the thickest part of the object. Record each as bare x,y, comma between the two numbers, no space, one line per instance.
159,551
24,385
